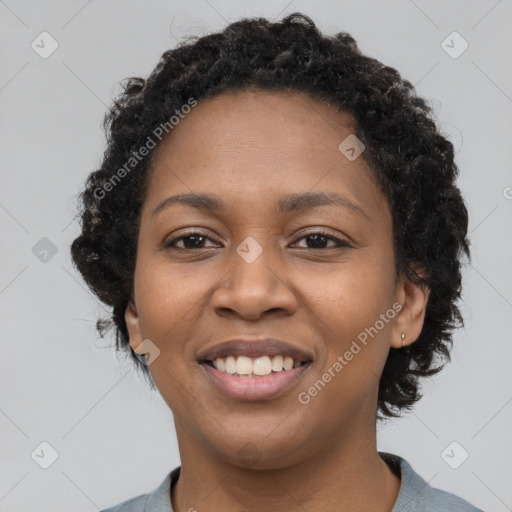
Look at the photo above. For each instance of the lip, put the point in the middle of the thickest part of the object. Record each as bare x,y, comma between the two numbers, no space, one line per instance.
254,348
255,388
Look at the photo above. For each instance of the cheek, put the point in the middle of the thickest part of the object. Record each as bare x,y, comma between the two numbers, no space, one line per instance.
168,304
354,296
355,313
164,313
166,298
357,343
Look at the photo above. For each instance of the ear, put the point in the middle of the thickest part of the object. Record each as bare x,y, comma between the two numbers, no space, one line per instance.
132,324
409,321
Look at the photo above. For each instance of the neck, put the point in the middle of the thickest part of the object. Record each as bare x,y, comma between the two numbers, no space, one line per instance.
347,475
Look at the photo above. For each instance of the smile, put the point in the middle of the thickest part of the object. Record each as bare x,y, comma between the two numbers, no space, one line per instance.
243,366
245,384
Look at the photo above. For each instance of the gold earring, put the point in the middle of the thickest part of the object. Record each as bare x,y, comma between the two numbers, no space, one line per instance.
403,338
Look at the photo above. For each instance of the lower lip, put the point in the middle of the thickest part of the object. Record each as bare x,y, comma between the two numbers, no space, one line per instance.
255,388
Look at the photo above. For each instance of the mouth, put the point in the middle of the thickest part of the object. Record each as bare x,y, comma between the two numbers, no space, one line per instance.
248,367
254,370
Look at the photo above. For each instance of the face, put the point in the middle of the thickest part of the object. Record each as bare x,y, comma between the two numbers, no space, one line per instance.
267,264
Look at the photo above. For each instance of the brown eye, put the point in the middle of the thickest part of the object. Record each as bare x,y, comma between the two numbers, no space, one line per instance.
319,239
315,240
191,241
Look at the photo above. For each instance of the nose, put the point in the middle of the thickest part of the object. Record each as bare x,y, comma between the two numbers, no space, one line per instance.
256,283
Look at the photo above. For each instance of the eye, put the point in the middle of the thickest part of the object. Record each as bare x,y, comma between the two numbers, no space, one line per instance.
318,239
196,239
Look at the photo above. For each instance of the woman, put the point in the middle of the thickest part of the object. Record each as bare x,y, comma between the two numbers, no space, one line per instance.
277,227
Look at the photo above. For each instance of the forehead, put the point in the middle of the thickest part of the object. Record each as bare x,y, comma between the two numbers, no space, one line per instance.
252,145
256,116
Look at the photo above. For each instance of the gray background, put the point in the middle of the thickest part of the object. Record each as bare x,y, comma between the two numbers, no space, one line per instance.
61,383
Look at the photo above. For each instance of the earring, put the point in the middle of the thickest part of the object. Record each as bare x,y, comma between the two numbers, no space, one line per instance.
403,338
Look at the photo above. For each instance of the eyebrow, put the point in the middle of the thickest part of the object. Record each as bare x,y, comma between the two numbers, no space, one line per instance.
287,204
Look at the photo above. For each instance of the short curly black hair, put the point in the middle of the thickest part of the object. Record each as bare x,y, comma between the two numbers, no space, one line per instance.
412,162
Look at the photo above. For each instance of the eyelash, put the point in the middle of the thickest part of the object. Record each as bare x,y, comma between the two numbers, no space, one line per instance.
340,243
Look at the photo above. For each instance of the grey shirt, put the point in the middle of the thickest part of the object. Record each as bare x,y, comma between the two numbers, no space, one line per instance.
415,495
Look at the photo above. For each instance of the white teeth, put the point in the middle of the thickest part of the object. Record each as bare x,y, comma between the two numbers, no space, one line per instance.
243,365
247,366
219,364
262,366
230,366
277,363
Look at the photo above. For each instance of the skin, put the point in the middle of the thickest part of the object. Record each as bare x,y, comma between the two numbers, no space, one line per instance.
252,148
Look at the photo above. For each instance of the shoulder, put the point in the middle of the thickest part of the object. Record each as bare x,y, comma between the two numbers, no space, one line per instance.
419,496
137,504
157,501
446,501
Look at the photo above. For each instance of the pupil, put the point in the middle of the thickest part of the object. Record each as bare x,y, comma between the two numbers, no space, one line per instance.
316,237
318,241
197,239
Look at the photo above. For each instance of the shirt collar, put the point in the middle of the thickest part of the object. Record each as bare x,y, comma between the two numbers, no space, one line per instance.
160,499
411,487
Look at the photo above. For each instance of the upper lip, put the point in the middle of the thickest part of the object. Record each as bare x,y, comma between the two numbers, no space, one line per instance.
253,348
